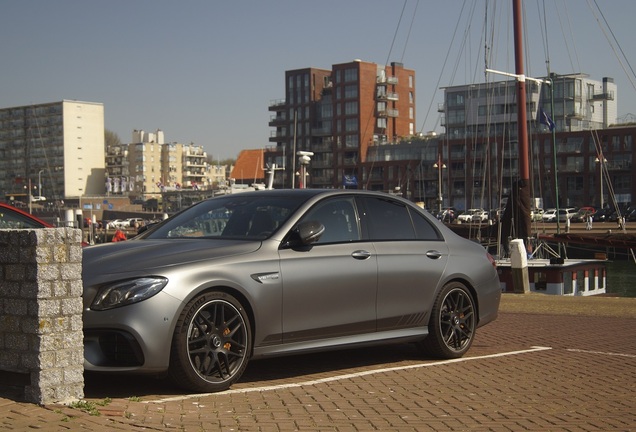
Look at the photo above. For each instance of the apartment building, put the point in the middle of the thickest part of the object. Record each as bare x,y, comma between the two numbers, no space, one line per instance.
148,166
334,116
56,149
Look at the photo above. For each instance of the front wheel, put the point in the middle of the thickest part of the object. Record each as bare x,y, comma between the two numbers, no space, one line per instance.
451,329
211,344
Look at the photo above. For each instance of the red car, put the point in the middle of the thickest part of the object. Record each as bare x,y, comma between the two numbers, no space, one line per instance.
14,218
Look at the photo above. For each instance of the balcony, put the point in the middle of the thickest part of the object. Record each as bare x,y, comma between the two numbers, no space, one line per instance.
604,96
277,105
389,113
384,96
277,120
392,80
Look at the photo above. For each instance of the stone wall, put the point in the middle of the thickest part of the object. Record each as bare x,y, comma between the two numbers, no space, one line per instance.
41,338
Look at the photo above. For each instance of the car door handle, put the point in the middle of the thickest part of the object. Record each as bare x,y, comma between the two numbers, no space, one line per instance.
361,254
433,254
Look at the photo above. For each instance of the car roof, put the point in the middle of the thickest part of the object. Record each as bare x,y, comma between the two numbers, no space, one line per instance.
309,193
35,219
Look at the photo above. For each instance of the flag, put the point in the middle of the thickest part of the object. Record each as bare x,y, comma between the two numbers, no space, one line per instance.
545,119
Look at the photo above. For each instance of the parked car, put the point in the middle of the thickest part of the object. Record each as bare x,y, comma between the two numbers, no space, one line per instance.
14,218
448,214
549,215
279,272
582,214
602,215
480,216
115,224
566,213
536,215
467,216
134,222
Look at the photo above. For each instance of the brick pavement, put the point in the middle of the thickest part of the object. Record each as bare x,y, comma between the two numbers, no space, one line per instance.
582,379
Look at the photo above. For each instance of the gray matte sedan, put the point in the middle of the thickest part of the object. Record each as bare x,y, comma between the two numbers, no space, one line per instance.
270,273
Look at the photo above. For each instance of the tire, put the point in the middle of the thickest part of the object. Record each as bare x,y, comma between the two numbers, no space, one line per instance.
451,329
211,344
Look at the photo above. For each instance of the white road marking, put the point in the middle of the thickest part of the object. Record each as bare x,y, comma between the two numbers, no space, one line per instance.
349,376
602,353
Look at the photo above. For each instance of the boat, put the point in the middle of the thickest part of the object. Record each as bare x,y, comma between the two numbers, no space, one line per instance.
521,267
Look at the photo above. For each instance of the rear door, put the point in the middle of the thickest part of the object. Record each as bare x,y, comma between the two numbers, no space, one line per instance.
411,258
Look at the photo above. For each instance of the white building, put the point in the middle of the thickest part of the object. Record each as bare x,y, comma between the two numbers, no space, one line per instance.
57,148
580,103
148,166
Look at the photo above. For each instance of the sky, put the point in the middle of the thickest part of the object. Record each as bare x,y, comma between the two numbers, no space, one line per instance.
206,71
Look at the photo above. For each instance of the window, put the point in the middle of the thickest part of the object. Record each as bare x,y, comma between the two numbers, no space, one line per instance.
351,75
339,218
351,108
351,91
388,220
351,125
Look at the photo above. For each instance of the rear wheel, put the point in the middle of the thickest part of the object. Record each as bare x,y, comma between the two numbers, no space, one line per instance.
453,322
211,344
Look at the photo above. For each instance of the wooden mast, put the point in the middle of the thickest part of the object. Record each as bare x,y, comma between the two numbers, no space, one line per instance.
522,215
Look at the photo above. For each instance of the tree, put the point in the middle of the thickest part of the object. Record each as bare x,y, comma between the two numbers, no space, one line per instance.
111,139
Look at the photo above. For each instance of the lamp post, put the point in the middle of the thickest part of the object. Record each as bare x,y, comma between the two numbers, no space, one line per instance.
40,182
601,164
439,165
304,157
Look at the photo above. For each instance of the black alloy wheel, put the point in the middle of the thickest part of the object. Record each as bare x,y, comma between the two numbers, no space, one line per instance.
452,324
211,345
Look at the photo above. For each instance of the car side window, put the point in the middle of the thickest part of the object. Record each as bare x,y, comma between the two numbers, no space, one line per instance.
424,229
388,220
13,220
338,215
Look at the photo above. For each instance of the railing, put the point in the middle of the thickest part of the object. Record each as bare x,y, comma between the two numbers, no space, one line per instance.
392,80
277,103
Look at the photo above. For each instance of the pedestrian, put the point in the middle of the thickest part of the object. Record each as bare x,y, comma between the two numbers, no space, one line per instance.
119,236
588,222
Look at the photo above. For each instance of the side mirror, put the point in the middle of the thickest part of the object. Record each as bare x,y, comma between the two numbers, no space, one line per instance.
310,231
305,234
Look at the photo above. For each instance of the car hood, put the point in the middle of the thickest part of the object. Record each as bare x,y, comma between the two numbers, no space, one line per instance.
147,255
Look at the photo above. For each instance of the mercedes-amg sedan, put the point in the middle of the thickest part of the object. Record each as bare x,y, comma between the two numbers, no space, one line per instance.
277,272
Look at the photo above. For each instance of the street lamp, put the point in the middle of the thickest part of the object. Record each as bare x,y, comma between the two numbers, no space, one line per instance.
439,166
40,182
304,157
601,161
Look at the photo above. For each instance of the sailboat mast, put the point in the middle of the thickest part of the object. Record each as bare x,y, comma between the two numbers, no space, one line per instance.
524,170
522,218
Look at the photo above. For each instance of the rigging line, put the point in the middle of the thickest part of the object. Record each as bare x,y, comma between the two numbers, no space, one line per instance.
544,37
615,40
462,45
395,34
567,46
439,78
604,171
370,118
576,53
408,34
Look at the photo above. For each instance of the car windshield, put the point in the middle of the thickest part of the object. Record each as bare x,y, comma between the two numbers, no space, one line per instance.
229,217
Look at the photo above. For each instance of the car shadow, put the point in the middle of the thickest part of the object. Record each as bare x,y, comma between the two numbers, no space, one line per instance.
261,372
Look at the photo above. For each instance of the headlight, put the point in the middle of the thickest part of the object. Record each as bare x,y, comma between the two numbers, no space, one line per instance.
127,292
